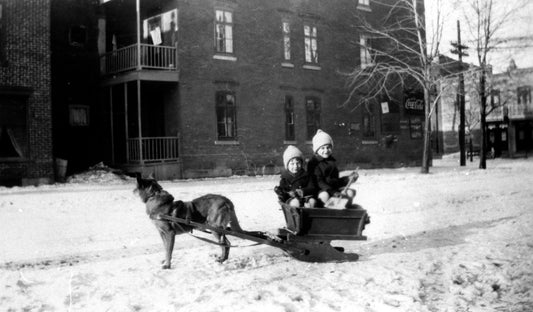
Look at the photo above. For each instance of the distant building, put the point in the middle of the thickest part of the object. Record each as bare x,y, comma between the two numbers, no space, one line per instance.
446,119
509,112
25,101
510,124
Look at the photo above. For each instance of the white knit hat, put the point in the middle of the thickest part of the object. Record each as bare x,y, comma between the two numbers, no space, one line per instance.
291,152
321,138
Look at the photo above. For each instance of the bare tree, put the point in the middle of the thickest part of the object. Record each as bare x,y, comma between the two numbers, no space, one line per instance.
403,55
486,19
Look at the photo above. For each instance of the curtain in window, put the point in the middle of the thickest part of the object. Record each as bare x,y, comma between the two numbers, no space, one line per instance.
8,144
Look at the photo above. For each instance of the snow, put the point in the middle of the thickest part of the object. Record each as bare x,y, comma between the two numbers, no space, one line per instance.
457,239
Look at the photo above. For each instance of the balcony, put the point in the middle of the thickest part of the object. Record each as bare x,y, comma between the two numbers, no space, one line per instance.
152,149
138,57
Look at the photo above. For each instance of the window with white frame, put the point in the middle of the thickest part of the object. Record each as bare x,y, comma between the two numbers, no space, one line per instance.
286,41
223,31
311,45
363,5
366,53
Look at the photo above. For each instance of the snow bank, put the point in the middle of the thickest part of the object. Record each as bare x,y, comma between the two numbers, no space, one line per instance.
457,239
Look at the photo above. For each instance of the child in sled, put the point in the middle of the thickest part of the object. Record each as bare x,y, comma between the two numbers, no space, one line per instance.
323,169
296,187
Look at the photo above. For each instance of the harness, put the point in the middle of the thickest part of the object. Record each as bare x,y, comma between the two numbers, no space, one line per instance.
175,220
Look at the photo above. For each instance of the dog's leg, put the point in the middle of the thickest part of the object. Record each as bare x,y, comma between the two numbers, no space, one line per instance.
168,243
224,248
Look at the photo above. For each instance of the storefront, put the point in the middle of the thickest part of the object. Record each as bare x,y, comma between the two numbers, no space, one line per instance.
497,143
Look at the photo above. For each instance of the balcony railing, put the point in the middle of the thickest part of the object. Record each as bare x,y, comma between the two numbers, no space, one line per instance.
152,149
518,111
151,57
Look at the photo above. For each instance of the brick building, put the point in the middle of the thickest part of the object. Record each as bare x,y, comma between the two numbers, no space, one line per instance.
190,88
219,87
25,102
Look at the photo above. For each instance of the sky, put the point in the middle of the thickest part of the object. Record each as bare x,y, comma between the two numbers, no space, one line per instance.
518,25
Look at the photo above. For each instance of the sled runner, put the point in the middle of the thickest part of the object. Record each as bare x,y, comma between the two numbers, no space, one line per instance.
308,232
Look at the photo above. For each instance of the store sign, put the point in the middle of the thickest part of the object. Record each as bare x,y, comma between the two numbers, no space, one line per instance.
414,104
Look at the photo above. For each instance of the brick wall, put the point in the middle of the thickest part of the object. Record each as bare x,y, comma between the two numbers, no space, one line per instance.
26,35
261,83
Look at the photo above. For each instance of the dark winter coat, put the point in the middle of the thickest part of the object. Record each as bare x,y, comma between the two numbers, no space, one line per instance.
292,182
325,174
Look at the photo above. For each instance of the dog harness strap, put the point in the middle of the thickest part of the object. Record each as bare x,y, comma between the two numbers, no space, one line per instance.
202,238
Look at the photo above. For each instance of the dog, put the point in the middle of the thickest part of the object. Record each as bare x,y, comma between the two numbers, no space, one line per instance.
214,210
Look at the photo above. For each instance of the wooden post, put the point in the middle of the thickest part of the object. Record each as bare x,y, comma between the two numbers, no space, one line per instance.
138,11
459,49
139,121
112,124
126,120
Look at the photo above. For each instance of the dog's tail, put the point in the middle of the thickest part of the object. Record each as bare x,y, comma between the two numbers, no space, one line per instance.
233,221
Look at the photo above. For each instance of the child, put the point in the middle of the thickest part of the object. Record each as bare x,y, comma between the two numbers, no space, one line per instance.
296,187
324,169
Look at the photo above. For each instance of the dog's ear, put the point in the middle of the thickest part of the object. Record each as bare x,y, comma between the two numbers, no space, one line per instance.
151,176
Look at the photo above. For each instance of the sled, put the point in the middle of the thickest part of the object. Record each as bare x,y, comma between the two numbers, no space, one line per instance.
308,232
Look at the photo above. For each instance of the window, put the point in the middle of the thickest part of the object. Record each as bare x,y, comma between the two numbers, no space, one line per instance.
364,5
289,119
79,115
369,123
13,127
224,31
367,56
415,127
226,115
77,36
495,98
286,41
312,108
161,28
524,95
310,40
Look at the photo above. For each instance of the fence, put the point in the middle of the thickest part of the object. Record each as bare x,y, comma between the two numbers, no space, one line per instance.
152,149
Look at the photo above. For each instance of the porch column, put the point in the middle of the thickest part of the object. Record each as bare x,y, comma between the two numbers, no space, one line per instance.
139,121
138,11
126,121
112,124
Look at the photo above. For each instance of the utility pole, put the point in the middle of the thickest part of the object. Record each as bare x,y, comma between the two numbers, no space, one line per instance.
459,50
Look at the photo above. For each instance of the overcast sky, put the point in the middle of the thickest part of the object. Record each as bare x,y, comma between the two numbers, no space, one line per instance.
521,25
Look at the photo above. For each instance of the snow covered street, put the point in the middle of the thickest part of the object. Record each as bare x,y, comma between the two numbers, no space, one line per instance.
457,239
